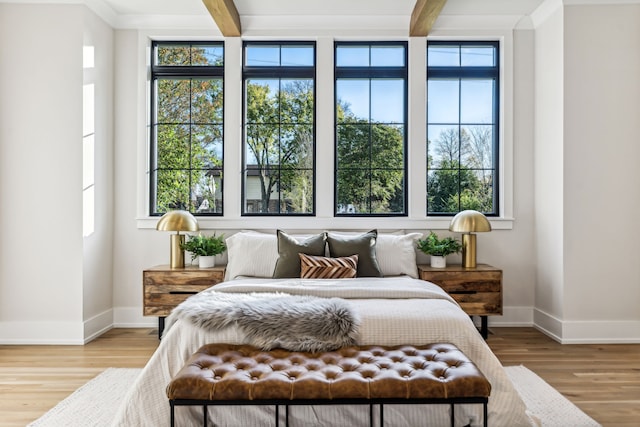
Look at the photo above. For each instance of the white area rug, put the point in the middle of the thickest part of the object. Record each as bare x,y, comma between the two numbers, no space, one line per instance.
545,402
94,404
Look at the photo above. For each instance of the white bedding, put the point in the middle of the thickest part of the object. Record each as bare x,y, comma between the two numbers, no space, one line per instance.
398,310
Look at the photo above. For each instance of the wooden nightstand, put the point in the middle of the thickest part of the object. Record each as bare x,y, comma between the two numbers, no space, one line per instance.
164,287
478,290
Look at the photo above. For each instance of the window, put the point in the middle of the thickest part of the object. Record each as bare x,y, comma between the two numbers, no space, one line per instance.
186,127
371,123
279,128
462,127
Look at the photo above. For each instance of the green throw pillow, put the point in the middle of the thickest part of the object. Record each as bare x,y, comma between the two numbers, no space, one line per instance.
288,264
363,245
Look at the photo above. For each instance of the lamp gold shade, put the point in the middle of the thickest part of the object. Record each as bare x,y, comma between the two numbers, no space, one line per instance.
469,222
177,221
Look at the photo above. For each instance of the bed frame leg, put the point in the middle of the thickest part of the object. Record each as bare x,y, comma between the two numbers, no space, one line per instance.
453,415
484,410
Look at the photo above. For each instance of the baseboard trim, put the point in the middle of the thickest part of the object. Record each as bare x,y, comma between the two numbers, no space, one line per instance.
587,331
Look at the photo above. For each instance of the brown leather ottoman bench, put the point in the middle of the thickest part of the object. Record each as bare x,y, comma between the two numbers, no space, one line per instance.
226,374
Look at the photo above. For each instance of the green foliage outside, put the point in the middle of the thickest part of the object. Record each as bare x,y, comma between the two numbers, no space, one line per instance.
189,135
452,186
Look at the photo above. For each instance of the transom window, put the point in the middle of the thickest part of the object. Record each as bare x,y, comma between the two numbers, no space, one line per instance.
370,125
462,127
279,128
186,127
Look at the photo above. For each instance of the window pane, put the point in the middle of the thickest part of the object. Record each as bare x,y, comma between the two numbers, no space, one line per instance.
353,99
442,191
478,56
207,55
205,191
297,56
387,56
443,100
173,190
444,144
173,54
387,147
387,191
352,56
206,101
353,145
173,101
298,146
262,101
262,55
296,190
443,56
478,152
351,194
206,146
476,99
173,146
262,145
296,101
387,100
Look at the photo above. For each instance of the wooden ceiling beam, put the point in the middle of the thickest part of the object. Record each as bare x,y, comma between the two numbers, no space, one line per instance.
423,16
226,15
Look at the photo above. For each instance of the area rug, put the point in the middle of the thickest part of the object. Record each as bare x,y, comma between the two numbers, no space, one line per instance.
94,404
545,402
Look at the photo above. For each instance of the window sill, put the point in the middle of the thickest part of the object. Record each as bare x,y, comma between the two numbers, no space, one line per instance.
319,223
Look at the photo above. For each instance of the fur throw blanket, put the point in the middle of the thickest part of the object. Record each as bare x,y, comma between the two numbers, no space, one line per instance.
272,320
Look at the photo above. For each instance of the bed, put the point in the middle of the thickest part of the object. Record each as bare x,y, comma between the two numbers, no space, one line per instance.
391,309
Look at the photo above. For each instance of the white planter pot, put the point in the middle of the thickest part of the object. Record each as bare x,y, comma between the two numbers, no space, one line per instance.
438,261
206,261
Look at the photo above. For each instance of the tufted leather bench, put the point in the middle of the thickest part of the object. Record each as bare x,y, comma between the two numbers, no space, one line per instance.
226,374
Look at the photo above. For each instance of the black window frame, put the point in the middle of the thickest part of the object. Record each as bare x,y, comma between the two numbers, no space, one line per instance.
180,71
470,72
277,72
373,72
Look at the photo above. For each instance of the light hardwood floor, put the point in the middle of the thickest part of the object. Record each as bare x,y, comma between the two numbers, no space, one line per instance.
602,380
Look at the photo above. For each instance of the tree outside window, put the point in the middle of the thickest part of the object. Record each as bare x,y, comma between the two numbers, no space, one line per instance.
279,121
187,128
370,87
462,124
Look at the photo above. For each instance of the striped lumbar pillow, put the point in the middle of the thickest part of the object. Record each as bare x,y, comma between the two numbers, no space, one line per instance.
319,267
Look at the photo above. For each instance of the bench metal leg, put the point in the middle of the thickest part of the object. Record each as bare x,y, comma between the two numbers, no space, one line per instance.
453,415
173,415
205,419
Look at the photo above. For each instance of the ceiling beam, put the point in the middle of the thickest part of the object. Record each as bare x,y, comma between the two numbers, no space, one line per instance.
226,15
423,16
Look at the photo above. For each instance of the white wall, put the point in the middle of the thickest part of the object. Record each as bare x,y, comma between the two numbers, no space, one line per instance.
98,242
586,174
548,171
601,173
41,255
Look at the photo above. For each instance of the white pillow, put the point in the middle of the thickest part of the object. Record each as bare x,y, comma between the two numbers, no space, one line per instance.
254,254
251,253
396,254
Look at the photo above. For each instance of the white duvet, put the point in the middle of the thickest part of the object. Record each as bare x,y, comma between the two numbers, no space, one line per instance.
392,311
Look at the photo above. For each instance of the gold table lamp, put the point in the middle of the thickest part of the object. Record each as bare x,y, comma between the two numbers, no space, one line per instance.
468,222
177,221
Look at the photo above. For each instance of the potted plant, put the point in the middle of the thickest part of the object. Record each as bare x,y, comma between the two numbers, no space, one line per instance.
205,248
438,248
